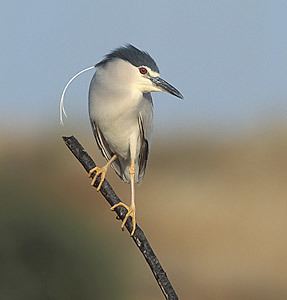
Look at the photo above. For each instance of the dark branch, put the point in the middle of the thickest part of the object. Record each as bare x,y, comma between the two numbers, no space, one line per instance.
139,236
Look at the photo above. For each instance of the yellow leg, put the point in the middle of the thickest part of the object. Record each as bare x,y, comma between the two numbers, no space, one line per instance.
131,210
100,171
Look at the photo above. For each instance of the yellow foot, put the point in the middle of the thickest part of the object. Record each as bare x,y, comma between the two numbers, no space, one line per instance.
131,212
99,172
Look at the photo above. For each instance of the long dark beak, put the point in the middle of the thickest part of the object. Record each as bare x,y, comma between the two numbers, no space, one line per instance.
165,86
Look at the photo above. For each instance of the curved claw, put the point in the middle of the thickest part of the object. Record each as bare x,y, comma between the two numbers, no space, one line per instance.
131,212
99,172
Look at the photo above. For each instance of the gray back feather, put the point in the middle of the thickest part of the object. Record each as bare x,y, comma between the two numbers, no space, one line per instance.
107,153
145,126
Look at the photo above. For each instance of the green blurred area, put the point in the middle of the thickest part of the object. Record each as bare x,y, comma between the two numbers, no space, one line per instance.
49,248
213,208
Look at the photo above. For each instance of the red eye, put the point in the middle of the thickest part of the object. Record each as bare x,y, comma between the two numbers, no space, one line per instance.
142,70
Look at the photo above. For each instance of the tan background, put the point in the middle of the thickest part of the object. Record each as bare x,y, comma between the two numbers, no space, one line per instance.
214,209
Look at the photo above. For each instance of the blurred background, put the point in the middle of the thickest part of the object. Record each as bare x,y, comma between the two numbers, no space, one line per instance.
213,202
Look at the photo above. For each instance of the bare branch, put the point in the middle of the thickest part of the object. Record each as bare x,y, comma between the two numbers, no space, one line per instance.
139,236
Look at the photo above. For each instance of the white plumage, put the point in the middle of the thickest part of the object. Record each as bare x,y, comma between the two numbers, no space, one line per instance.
121,113
121,117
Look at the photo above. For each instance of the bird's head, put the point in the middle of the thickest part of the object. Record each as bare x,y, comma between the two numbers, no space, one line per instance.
132,67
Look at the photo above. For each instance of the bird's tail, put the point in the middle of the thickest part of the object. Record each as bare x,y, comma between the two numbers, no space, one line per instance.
124,170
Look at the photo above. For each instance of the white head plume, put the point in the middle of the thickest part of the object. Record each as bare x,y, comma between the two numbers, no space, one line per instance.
62,108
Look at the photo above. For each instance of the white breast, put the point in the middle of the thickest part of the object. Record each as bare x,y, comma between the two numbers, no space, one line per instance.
114,107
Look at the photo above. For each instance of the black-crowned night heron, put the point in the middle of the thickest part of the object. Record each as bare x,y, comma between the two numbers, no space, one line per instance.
121,112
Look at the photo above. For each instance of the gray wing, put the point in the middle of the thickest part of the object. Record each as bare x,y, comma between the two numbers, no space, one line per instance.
145,125
106,151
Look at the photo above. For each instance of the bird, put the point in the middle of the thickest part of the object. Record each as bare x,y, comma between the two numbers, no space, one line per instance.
121,115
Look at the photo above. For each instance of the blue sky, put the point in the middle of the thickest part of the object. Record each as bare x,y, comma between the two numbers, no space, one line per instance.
228,58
